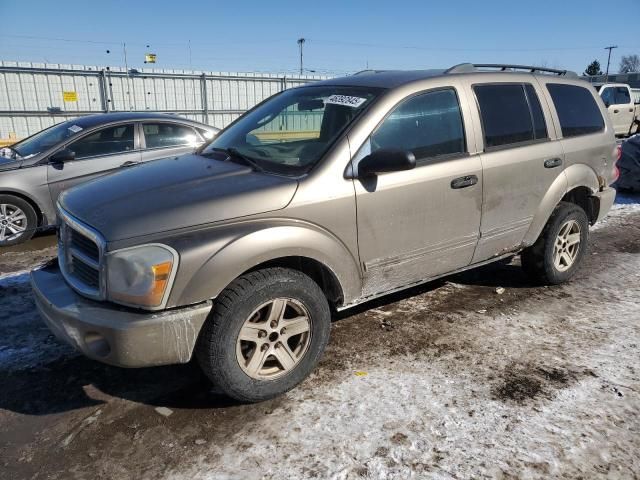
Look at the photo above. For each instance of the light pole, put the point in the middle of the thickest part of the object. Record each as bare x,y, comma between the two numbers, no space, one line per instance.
301,43
606,75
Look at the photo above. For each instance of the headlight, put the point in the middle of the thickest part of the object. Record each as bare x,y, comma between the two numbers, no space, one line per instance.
141,276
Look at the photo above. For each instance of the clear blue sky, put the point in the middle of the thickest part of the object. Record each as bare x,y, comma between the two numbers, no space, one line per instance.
342,36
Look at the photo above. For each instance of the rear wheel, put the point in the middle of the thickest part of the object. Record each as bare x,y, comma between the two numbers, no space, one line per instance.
266,333
558,252
18,220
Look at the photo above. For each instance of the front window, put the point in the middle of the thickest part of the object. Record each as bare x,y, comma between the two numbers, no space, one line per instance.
46,139
429,125
118,139
289,133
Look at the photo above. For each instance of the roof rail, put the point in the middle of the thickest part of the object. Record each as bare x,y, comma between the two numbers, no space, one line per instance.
474,67
370,70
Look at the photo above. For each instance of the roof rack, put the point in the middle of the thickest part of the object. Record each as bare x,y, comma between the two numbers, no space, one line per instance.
370,70
475,67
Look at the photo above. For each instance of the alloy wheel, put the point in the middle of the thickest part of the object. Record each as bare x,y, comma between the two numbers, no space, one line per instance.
13,222
567,245
274,339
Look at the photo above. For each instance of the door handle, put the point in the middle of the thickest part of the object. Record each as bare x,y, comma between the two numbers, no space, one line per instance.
129,163
631,110
552,163
616,111
464,182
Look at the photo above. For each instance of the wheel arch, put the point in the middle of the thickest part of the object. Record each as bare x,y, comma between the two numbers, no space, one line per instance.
303,247
576,184
42,218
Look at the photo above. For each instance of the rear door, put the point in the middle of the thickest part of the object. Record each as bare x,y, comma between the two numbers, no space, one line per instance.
520,160
167,139
423,222
97,153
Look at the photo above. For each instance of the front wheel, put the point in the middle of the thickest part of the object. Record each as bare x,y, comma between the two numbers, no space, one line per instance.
558,252
266,333
18,220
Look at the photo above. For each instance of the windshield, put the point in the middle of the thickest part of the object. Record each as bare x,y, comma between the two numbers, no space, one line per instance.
290,132
45,139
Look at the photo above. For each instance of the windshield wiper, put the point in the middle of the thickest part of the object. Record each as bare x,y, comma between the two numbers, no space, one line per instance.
233,152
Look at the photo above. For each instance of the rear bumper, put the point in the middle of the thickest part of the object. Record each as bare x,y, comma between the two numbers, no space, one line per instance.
605,201
113,335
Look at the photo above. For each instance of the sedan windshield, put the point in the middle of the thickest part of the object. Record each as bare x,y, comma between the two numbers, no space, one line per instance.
290,132
45,139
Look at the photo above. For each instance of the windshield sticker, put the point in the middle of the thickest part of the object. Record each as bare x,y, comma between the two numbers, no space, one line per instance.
75,128
346,100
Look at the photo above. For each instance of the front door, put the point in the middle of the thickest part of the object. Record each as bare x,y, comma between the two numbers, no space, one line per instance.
419,223
96,154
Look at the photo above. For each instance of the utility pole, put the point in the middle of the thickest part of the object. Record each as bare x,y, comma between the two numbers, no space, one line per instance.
606,75
301,43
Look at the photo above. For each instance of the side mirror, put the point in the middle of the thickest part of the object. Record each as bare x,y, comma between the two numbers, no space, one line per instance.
386,160
61,156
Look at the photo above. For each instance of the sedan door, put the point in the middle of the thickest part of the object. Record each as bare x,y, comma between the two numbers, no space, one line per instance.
97,153
419,223
167,139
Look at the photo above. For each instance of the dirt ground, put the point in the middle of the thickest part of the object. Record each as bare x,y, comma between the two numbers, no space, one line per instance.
449,380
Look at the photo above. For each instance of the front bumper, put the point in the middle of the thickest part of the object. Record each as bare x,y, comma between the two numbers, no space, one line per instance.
114,335
605,200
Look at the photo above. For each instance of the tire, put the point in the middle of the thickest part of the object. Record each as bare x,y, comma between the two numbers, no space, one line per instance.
18,220
546,264
249,306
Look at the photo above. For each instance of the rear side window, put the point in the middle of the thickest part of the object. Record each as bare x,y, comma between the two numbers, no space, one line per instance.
511,113
429,125
622,96
158,135
577,110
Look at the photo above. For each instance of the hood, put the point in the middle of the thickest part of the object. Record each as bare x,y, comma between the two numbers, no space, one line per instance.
174,193
7,163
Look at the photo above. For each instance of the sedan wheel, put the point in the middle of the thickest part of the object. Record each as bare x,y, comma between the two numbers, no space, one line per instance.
13,222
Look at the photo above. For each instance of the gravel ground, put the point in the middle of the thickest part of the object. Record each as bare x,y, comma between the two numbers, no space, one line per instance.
449,380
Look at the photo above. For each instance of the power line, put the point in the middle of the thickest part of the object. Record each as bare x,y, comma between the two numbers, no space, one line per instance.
455,49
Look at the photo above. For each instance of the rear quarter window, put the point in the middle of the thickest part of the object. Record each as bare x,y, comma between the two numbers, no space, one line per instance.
577,110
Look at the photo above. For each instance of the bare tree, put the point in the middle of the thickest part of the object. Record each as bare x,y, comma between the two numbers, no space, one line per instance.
630,63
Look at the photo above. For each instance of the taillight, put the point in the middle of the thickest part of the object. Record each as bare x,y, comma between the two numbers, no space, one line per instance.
616,170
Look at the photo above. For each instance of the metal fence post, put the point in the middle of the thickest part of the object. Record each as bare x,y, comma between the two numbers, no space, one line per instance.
203,93
102,82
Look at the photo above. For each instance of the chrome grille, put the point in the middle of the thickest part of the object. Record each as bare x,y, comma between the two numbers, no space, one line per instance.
80,254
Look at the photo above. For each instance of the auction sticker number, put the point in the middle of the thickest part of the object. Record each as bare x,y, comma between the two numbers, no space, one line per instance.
346,100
